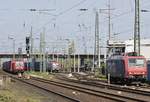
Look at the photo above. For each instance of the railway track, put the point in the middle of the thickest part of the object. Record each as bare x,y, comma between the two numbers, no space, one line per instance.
142,90
103,84
14,77
98,93
101,92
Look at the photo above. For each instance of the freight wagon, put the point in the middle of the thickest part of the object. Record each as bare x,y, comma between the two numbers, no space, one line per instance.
51,66
27,66
148,71
34,66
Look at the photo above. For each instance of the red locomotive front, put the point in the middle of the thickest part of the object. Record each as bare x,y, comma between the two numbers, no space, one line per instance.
17,66
136,67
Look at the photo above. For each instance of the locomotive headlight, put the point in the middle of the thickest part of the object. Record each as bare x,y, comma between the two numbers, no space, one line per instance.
130,72
131,76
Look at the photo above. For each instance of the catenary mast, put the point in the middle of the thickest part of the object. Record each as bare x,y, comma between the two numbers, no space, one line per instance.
137,27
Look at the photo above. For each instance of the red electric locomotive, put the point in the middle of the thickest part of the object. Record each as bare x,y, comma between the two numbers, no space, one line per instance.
126,68
13,66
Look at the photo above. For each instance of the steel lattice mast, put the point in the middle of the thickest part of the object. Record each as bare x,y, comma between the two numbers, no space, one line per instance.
137,27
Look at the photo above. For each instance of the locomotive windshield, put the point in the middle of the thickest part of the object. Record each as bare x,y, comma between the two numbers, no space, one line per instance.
19,64
136,62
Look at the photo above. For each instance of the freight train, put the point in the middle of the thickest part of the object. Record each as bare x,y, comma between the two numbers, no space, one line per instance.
13,66
51,66
126,68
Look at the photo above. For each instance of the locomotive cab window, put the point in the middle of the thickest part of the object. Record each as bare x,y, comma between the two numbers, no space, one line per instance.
136,62
19,64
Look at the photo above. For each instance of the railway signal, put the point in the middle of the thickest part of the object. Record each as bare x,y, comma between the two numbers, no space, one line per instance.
28,46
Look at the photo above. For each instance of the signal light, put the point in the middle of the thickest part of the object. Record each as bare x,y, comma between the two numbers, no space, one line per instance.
28,51
27,40
28,45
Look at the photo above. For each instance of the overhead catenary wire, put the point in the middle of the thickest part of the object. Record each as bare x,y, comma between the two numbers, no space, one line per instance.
78,4
63,12
120,15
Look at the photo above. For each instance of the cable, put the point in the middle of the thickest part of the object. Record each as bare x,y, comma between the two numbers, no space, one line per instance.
78,4
123,14
74,6
63,12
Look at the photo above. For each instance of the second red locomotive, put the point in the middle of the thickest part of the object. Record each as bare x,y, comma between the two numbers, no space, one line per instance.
126,67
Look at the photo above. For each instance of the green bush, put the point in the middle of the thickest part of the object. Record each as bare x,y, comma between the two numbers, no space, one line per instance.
4,98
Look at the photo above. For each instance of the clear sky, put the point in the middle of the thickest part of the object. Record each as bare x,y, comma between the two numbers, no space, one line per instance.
64,20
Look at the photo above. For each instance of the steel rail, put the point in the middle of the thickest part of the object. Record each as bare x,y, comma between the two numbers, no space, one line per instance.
40,87
110,86
98,93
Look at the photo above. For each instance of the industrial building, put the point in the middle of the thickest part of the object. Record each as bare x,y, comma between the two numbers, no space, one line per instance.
128,46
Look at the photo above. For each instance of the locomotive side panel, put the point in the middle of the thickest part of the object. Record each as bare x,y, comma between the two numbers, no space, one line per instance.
116,68
148,70
13,66
7,66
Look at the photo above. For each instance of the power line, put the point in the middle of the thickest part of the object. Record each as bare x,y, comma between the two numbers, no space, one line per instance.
124,13
63,12
74,6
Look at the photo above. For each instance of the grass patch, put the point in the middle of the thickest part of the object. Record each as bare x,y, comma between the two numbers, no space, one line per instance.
45,75
98,75
14,96
6,96
101,77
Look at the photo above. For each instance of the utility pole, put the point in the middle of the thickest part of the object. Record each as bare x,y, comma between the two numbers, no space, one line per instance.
109,19
137,28
13,46
31,37
96,47
31,49
78,62
84,44
14,49
109,22
42,52
74,56
44,62
69,55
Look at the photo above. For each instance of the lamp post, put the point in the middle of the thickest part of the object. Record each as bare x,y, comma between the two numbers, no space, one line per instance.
13,46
